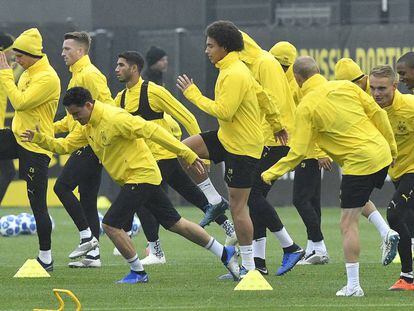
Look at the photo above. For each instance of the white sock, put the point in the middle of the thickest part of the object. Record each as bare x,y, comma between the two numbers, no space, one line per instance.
246,252
85,234
407,274
284,238
259,248
412,241
45,256
155,248
135,264
352,273
215,247
379,223
309,247
320,247
210,192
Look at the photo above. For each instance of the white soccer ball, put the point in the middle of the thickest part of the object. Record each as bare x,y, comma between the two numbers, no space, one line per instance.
136,226
9,225
26,221
101,230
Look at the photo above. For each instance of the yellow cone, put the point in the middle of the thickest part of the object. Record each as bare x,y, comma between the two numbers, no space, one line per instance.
253,281
31,269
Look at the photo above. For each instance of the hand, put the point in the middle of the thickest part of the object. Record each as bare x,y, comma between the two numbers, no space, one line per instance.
325,163
27,136
282,136
183,82
266,179
197,167
3,61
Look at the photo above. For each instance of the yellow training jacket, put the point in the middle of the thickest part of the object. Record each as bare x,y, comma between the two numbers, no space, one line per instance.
346,123
34,100
270,75
86,75
17,71
235,106
160,100
115,136
401,116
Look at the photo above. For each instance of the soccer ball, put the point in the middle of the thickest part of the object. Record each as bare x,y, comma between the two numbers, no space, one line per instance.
27,223
9,225
101,230
136,226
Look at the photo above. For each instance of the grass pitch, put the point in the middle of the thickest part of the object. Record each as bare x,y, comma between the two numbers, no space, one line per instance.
189,279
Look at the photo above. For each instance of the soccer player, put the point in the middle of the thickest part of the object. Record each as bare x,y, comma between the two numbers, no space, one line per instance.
116,138
239,140
347,69
268,72
35,101
7,171
154,103
82,169
400,110
349,126
307,181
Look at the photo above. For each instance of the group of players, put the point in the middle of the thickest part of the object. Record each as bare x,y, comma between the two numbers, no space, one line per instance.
275,112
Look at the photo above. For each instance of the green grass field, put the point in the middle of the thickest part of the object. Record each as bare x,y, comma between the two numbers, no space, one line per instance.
189,279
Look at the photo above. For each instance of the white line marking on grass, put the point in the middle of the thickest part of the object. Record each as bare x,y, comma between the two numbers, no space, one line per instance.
243,306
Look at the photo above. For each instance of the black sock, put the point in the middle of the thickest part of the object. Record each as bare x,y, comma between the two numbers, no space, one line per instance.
291,249
260,262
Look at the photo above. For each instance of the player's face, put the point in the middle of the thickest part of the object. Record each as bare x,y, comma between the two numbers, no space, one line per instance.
362,83
382,90
215,53
24,60
161,65
71,52
123,70
406,75
81,114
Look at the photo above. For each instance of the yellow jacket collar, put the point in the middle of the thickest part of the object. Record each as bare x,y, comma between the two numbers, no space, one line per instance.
227,60
251,50
289,74
97,112
40,65
80,64
136,85
397,101
312,83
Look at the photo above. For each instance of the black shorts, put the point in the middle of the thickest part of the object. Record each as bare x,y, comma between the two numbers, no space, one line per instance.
239,169
135,196
356,189
82,169
270,156
404,187
30,163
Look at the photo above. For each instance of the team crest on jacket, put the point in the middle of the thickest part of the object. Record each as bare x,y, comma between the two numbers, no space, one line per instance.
402,127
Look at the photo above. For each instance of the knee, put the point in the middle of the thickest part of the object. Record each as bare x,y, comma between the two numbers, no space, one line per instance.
109,230
60,188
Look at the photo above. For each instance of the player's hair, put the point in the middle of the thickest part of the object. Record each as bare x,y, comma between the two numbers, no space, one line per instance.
77,96
226,34
384,71
133,58
408,59
305,66
81,37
